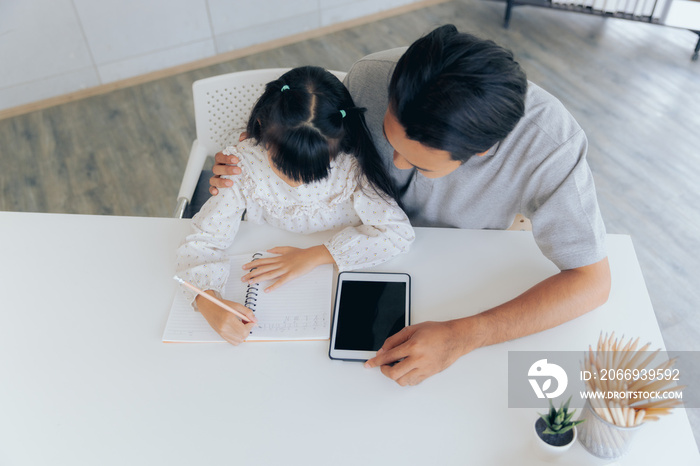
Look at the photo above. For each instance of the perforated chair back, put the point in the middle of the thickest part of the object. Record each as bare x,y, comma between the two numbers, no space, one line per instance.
222,105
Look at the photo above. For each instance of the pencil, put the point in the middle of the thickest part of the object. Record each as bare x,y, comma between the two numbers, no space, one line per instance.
211,298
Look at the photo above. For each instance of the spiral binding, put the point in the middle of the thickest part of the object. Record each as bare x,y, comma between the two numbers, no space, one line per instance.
251,294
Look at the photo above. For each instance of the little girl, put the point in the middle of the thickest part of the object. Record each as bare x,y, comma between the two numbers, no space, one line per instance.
308,164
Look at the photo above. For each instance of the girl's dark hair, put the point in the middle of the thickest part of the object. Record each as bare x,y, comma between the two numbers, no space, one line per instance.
299,120
458,93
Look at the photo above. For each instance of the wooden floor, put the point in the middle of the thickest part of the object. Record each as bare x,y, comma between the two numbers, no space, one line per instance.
631,86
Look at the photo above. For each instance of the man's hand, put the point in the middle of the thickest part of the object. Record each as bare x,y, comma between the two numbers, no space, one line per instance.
290,264
422,350
425,349
225,165
226,324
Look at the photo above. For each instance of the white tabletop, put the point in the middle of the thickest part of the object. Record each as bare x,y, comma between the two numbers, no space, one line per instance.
86,380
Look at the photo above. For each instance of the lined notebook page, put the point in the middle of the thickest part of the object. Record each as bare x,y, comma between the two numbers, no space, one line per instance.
298,310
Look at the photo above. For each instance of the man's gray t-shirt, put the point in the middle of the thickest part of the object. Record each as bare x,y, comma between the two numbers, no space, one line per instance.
539,170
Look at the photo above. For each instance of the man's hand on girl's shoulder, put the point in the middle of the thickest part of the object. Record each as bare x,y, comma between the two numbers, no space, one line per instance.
224,165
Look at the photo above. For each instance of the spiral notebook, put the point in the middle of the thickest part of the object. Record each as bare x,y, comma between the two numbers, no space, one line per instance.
298,310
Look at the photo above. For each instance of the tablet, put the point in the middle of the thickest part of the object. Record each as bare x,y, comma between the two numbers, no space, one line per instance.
369,308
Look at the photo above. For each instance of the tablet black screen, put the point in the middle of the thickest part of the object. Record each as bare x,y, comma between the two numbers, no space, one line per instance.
369,313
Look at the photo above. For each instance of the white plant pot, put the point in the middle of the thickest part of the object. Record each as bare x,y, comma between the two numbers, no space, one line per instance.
547,452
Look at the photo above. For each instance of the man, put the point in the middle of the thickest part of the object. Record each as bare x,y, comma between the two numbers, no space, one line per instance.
473,143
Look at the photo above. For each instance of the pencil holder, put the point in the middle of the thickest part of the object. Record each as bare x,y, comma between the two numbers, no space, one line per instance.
601,438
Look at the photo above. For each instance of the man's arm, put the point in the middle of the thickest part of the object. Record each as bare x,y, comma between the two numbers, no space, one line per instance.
430,347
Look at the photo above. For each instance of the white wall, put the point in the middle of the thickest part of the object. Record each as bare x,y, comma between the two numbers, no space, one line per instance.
53,47
684,14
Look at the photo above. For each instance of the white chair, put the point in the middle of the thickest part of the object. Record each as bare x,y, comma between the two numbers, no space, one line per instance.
222,105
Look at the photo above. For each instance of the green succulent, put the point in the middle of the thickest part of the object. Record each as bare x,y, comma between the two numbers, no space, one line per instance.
559,421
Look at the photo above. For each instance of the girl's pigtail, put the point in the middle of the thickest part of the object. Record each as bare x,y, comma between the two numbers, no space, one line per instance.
358,141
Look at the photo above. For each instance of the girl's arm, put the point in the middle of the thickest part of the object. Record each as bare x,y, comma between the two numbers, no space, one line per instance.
290,264
200,259
384,233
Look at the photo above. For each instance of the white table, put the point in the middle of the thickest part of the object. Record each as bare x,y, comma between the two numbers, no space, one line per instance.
85,379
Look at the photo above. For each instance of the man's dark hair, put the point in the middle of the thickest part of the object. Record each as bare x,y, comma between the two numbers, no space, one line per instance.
455,92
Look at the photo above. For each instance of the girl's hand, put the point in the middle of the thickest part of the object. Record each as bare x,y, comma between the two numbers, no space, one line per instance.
290,264
226,324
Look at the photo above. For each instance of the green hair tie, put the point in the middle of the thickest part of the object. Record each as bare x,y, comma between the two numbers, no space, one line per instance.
342,113
284,88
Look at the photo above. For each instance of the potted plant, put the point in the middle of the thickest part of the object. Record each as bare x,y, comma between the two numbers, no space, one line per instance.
556,431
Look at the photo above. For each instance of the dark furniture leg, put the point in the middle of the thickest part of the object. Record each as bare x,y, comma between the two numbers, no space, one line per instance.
509,7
